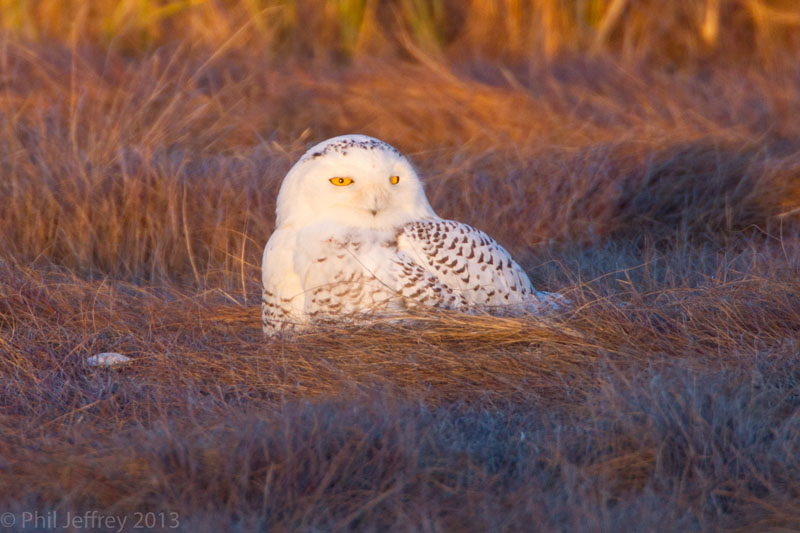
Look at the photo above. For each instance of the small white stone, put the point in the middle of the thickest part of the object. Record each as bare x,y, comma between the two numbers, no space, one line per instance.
107,359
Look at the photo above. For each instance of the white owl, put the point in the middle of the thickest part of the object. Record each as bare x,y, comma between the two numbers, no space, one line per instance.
355,237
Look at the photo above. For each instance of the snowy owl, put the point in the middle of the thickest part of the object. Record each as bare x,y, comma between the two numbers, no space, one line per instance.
355,237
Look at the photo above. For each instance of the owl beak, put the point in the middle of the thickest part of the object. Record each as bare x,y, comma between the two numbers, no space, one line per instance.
376,200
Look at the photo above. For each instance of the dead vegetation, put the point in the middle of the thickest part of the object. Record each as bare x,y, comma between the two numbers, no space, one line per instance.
655,182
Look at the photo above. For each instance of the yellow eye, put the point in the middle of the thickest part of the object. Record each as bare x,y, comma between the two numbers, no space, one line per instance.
394,179
341,181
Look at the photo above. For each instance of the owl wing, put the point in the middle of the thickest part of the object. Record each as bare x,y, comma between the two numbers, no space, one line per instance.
415,286
467,261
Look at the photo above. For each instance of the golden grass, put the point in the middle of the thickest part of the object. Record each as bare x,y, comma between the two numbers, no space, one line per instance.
137,191
684,30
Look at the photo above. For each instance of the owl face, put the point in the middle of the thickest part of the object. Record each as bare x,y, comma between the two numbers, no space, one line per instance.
352,180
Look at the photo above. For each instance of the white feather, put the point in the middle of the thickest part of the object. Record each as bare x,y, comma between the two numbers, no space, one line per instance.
375,246
107,359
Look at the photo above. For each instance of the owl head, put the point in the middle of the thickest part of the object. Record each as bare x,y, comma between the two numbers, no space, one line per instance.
352,180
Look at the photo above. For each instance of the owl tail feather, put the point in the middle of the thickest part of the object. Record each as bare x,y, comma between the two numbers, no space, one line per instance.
544,302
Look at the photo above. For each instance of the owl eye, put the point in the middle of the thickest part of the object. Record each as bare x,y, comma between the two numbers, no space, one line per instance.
339,182
394,179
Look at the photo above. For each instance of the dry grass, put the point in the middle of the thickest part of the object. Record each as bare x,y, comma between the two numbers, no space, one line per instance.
137,192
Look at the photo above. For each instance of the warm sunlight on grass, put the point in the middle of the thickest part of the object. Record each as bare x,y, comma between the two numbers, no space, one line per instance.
641,157
513,29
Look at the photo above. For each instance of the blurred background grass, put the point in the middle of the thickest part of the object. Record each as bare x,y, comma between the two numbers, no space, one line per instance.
146,139
677,32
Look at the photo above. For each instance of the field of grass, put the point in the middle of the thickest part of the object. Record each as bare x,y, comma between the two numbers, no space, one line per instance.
644,160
